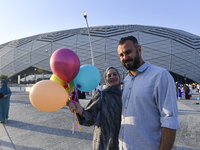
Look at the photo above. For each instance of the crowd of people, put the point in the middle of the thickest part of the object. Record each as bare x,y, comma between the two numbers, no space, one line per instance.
185,91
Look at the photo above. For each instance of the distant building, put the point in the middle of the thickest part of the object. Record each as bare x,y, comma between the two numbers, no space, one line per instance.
175,50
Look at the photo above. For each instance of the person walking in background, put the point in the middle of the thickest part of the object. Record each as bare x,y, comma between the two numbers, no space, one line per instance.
186,91
5,101
198,87
179,92
149,113
108,103
191,90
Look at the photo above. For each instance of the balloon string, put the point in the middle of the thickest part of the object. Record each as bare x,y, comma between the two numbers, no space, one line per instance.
75,95
70,94
73,124
79,127
75,114
74,110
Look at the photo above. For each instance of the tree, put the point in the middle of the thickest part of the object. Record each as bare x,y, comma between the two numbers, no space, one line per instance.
3,76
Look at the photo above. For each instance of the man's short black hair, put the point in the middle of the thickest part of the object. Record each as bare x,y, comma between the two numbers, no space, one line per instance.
132,38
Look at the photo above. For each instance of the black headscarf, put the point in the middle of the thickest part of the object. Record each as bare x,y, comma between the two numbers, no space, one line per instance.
115,89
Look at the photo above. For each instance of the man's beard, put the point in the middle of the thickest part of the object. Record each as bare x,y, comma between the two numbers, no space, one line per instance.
135,64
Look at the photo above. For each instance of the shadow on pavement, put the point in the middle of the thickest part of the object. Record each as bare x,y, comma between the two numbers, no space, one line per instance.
49,130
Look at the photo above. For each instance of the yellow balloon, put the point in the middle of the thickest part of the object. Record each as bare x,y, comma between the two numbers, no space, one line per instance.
64,84
48,96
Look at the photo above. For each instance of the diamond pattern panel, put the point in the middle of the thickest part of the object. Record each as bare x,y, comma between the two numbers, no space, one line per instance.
19,52
69,42
150,53
44,64
39,54
146,39
26,47
5,50
39,44
163,62
22,63
182,51
7,58
9,69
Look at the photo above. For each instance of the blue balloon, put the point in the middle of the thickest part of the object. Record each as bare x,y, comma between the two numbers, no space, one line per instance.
198,98
88,78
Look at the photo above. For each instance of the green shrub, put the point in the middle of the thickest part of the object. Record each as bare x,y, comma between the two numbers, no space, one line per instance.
3,76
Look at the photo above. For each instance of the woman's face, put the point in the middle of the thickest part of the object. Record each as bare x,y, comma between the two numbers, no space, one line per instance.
112,77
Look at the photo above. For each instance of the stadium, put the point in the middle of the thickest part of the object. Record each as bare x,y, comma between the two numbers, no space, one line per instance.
28,59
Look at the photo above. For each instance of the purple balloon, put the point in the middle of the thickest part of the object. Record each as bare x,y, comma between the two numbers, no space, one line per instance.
65,64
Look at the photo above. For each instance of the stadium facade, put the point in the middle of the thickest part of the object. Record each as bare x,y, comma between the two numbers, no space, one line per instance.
175,50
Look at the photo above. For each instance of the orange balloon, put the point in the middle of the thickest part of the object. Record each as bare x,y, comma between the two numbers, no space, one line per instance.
48,96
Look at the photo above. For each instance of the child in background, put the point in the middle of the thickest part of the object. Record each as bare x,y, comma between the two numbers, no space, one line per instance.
179,93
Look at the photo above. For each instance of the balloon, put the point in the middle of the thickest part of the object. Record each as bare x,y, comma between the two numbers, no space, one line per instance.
198,98
65,64
64,84
48,96
88,78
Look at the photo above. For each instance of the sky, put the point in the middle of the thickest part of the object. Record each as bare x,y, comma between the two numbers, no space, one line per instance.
24,18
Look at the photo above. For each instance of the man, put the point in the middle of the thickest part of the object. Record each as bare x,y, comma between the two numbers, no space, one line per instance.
149,113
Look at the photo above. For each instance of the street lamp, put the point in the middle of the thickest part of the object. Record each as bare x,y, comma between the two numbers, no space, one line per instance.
85,16
47,52
35,73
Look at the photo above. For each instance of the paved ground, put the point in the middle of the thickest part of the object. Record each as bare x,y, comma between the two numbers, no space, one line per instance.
31,129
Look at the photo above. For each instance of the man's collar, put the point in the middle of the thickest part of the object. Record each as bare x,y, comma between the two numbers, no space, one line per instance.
144,67
141,68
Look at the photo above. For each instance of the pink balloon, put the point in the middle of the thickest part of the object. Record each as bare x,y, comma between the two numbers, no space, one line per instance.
65,64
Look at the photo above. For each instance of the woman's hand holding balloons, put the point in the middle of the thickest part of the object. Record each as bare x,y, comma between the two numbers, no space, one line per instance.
77,107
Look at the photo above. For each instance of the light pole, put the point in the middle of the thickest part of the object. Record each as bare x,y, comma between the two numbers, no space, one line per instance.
35,74
85,16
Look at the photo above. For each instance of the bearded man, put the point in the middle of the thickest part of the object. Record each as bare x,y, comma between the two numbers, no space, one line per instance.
149,113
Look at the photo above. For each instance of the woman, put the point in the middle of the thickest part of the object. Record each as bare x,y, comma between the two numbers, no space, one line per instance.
106,134
5,101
